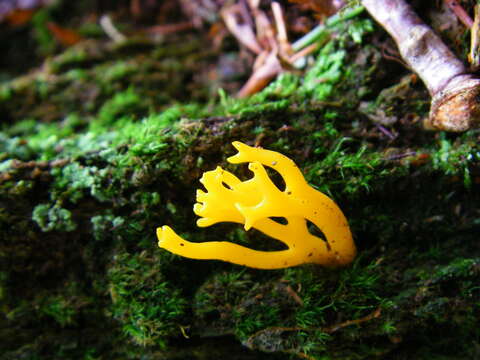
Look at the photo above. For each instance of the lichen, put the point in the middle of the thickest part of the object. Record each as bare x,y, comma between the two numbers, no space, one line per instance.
53,218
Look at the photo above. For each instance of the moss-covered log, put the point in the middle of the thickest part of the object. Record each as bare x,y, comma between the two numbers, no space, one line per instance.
101,148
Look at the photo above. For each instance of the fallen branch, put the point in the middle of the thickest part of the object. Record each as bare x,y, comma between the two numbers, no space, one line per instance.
455,92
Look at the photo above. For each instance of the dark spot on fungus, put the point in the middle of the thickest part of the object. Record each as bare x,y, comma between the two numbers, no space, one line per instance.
310,255
182,244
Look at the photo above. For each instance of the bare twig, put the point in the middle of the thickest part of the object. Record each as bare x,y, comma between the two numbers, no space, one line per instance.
459,12
455,92
304,52
236,21
110,29
267,64
385,131
282,37
261,76
270,43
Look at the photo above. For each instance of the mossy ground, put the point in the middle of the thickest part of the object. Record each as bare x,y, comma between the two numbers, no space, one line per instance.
104,144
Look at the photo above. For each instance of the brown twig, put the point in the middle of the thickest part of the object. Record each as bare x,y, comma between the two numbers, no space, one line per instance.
267,64
459,12
293,294
282,37
304,52
369,317
236,21
169,28
261,76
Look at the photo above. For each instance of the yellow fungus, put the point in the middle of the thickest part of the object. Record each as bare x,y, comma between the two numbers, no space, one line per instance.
255,203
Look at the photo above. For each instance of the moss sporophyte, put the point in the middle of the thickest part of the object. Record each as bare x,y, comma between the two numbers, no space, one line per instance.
256,203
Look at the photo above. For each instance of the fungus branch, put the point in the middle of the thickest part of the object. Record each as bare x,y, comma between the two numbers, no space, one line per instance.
255,203
454,91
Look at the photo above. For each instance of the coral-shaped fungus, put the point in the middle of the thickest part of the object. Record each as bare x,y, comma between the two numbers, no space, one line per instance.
255,203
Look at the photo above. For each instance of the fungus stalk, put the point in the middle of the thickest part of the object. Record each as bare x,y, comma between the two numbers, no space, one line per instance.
455,92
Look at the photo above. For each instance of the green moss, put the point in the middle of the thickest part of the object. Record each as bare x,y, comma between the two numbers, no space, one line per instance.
59,308
456,269
122,103
284,86
118,70
104,224
43,37
73,180
455,158
5,92
52,217
258,316
343,170
14,148
358,28
319,81
149,308
78,75
74,56
251,106
238,300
